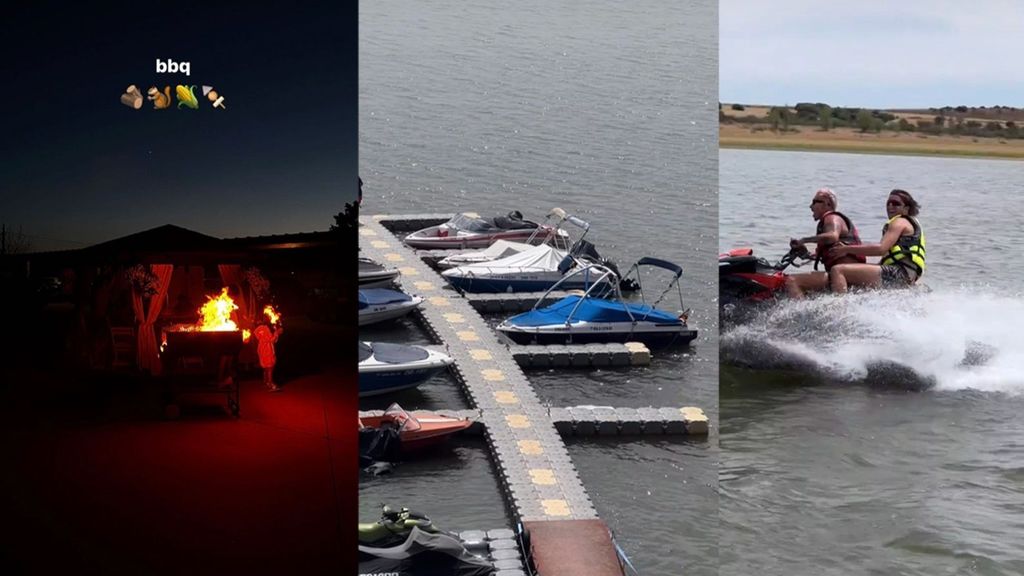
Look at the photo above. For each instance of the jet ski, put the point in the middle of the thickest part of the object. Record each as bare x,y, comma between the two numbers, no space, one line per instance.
381,304
745,281
748,283
374,275
601,314
415,432
385,368
505,248
465,231
423,554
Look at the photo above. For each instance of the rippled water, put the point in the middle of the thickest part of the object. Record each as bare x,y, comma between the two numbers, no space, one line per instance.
607,110
877,433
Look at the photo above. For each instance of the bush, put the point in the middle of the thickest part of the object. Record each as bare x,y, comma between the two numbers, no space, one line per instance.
738,107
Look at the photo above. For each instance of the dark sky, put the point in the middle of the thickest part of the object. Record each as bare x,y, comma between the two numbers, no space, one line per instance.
78,167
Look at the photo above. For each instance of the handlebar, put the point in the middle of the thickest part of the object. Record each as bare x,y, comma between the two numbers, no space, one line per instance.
790,259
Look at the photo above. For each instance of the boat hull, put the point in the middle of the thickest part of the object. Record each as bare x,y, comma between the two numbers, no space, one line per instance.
526,283
653,336
425,241
378,377
434,429
395,380
385,312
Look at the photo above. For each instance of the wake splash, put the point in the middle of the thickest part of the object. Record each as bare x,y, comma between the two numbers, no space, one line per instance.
951,340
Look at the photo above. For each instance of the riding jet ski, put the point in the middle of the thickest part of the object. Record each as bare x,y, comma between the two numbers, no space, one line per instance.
385,368
746,283
381,304
601,315
465,231
374,275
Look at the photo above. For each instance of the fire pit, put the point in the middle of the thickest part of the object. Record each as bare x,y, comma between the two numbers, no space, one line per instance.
201,357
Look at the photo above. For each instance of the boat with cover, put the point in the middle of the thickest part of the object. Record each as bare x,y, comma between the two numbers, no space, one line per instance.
382,304
385,367
601,314
374,275
505,248
415,432
466,231
533,270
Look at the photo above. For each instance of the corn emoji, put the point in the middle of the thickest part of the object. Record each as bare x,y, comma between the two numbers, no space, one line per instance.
186,96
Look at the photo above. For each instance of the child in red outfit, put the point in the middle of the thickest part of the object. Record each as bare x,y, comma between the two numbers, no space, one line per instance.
265,350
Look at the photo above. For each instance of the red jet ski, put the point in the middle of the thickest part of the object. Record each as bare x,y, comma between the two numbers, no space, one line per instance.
746,282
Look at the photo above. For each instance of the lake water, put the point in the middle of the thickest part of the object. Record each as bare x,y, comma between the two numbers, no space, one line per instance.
609,111
829,463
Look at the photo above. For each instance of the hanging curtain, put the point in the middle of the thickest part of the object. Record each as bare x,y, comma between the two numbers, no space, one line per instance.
147,349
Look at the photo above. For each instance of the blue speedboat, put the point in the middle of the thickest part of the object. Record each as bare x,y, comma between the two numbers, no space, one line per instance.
385,368
381,304
601,315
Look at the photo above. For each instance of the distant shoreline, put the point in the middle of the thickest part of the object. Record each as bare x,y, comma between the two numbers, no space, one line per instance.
761,136
943,146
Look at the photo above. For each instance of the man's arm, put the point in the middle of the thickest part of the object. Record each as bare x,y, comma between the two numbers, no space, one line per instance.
829,235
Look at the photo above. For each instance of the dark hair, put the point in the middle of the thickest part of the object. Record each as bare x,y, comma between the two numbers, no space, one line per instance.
913,207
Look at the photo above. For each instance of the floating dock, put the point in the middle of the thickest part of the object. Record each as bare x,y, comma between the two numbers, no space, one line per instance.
540,483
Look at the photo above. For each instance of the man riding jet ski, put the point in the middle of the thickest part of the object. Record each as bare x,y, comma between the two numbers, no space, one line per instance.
834,229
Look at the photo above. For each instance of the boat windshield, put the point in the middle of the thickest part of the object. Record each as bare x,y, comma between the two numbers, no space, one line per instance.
469,223
401,419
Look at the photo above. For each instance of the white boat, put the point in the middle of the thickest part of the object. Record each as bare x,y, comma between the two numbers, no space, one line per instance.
505,248
532,270
385,368
466,231
375,275
381,304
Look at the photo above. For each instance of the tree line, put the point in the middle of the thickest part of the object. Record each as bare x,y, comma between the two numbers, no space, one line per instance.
947,120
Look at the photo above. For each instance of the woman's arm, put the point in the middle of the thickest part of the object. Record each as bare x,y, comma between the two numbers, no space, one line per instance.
892,234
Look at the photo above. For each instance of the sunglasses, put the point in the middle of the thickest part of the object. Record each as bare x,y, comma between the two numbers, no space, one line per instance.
817,201
896,204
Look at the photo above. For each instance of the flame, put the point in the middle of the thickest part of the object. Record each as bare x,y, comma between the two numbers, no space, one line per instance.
246,334
215,315
272,314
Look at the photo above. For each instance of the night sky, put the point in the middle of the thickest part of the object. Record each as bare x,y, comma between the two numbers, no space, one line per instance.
78,167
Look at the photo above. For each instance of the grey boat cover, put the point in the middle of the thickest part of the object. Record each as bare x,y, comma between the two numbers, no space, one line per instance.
392,353
423,554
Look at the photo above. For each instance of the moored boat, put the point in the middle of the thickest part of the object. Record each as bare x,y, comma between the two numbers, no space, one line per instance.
385,368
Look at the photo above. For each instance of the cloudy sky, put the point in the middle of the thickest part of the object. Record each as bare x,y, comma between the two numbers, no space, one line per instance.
872,53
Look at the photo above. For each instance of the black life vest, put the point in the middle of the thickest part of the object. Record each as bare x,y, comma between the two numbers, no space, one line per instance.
851,238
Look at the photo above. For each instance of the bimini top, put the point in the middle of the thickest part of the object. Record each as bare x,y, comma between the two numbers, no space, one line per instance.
593,310
391,353
377,296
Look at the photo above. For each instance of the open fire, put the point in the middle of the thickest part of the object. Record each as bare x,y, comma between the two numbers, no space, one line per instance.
215,315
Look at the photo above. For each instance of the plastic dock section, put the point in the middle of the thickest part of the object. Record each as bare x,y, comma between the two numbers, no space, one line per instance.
537,476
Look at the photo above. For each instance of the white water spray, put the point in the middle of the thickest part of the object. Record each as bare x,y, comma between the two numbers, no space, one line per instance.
952,340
